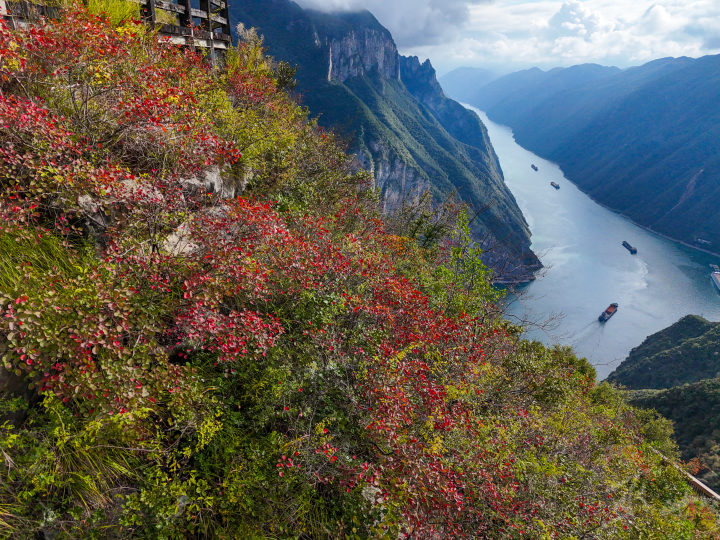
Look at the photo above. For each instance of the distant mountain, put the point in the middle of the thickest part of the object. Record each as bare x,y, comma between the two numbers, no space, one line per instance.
462,83
560,117
509,99
655,154
645,141
686,352
401,125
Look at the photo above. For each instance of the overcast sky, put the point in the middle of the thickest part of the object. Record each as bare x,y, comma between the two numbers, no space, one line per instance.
507,35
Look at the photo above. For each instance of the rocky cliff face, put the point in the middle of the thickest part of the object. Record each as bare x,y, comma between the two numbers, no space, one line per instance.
392,174
421,81
393,112
359,53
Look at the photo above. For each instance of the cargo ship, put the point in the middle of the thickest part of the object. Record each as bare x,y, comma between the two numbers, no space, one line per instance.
609,312
534,168
629,247
553,184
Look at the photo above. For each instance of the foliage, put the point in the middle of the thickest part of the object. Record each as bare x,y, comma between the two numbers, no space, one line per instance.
226,341
694,410
658,372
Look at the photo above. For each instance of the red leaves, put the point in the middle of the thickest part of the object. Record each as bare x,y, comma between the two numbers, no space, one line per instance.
250,87
231,336
176,270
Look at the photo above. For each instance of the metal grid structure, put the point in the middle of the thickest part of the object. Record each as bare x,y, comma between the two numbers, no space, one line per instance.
212,32
207,27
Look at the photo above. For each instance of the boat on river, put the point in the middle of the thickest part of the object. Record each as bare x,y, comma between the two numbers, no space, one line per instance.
609,312
534,168
553,184
629,247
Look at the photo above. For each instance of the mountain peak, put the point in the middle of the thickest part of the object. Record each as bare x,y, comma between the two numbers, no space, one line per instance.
420,79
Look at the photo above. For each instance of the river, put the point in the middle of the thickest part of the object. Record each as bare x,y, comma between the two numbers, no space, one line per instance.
587,268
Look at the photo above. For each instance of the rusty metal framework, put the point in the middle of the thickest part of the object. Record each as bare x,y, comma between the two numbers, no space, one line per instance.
207,27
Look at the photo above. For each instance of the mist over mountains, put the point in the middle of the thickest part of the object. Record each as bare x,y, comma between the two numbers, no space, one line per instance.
643,141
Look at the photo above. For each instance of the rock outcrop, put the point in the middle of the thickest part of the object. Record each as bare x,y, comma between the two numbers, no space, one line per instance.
421,81
359,53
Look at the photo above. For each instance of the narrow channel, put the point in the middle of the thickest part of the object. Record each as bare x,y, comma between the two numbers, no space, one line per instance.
587,267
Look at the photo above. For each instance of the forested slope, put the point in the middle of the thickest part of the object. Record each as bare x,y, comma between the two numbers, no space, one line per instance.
655,155
686,352
351,76
675,372
643,141
695,412
560,118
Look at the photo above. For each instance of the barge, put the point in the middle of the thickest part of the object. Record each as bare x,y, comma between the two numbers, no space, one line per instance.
609,312
629,247
553,184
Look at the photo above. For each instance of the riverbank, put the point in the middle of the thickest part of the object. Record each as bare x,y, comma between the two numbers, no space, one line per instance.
650,229
587,268
625,216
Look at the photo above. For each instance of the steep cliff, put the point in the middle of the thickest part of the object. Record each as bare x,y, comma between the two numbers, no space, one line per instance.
400,124
356,55
464,125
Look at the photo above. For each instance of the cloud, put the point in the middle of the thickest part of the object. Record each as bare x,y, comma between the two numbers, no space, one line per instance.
611,32
574,20
413,23
507,35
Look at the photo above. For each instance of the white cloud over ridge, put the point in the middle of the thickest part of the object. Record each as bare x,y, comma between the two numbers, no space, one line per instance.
412,22
512,34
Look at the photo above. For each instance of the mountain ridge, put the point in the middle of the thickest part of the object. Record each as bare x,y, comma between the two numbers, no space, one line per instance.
402,127
686,352
644,142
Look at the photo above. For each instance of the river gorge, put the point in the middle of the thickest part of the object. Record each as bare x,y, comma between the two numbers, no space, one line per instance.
587,268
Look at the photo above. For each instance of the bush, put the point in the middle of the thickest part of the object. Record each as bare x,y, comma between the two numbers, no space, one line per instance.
228,343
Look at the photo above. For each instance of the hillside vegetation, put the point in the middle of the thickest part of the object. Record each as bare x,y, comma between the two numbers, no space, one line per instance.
675,372
208,331
643,141
695,412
